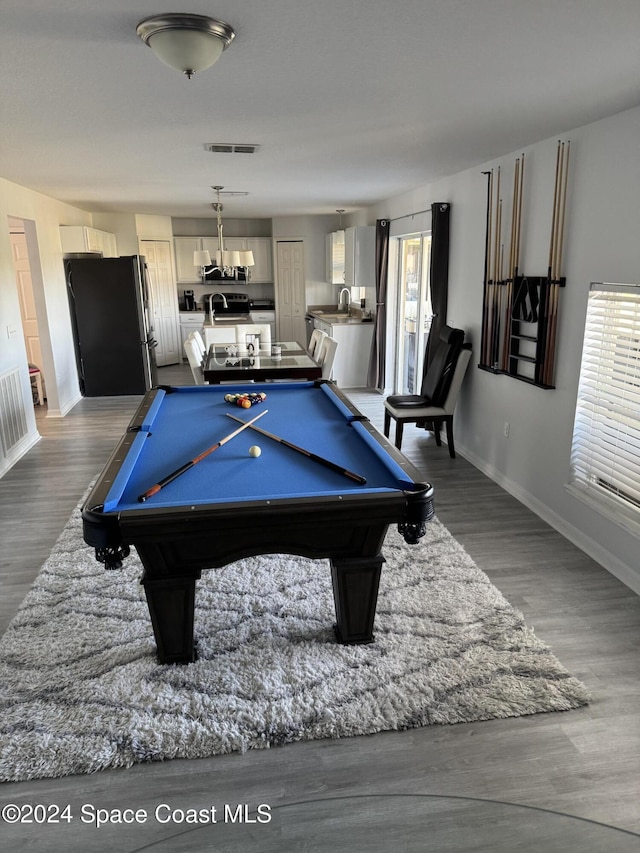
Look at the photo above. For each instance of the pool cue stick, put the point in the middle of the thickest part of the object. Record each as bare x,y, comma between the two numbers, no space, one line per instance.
495,330
562,202
516,259
495,337
554,278
487,278
487,345
314,456
499,308
542,369
487,260
512,250
519,227
564,206
516,253
190,464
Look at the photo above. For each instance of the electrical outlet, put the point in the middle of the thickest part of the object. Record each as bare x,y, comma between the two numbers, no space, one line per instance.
507,427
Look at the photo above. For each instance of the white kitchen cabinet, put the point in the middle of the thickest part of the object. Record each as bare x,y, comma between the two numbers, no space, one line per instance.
351,365
360,256
335,257
262,271
82,238
190,321
187,273
231,244
184,247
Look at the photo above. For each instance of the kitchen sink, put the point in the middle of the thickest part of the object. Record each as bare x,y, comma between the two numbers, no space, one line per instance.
325,315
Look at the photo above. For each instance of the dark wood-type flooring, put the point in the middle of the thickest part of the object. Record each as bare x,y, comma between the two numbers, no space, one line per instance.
584,762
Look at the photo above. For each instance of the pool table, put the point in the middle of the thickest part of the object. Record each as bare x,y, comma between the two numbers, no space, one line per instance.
232,505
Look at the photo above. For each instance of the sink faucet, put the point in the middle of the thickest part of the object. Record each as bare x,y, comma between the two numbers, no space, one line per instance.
212,310
348,292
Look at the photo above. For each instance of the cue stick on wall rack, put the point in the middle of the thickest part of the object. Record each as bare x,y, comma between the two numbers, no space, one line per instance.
496,276
556,245
487,264
553,242
491,305
514,256
190,464
314,456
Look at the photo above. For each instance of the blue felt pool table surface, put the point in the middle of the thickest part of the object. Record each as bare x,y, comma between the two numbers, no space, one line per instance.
187,420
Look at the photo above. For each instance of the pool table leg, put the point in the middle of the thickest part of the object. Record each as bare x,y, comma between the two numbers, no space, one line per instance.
171,607
355,594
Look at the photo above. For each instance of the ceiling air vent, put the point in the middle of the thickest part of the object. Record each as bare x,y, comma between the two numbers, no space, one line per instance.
230,148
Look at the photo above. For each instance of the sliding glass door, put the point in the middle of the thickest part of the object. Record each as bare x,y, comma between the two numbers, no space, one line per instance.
414,311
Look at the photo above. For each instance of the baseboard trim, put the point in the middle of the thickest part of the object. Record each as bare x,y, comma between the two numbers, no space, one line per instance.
18,451
60,413
593,549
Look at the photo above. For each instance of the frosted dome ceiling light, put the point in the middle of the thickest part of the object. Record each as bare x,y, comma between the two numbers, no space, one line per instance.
188,43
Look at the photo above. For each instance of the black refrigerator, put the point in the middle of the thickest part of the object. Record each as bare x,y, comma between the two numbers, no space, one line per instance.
110,303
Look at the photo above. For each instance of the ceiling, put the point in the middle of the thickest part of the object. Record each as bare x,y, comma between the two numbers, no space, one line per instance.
350,101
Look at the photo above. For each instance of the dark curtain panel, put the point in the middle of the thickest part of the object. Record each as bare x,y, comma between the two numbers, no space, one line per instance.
440,212
375,378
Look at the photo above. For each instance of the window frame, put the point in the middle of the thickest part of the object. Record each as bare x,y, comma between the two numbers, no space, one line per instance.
605,446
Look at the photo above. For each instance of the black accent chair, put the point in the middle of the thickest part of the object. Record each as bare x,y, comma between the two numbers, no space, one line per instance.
436,402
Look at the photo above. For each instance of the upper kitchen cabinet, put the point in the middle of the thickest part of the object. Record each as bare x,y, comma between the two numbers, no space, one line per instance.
335,257
360,256
81,239
187,273
262,255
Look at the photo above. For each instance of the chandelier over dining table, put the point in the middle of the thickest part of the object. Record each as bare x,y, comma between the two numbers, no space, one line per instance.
227,262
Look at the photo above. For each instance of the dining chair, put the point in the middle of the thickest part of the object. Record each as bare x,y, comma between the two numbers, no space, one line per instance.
199,340
196,339
436,403
317,336
326,355
219,335
194,357
35,376
261,330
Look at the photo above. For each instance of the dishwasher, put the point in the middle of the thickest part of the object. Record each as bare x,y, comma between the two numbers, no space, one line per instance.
309,323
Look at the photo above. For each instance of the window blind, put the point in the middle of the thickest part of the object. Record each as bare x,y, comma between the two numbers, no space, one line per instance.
605,457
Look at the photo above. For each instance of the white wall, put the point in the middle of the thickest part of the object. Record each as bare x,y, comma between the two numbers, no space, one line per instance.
602,242
43,216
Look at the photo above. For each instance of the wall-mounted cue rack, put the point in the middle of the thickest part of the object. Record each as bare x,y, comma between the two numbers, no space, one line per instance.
520,312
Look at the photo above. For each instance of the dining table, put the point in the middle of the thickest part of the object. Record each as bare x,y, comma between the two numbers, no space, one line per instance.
259,362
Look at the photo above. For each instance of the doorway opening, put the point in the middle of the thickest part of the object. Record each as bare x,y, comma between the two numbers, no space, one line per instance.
30,290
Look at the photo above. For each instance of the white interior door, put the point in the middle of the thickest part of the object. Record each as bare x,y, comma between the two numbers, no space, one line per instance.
291,291
25,294
164,302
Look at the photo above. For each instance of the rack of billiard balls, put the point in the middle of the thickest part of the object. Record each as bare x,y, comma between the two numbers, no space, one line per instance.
245,401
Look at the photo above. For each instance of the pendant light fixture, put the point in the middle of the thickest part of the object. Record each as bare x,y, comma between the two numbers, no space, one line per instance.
188,43
227,262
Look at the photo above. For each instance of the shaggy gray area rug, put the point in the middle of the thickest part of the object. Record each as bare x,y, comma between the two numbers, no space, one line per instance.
81,689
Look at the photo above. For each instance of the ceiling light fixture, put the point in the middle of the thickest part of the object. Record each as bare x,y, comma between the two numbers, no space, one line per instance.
188,43
229,264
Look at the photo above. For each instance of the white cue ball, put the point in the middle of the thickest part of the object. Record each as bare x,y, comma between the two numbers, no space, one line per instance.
255,451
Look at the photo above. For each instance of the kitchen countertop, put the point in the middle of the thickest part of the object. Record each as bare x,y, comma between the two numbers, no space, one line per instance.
330,314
